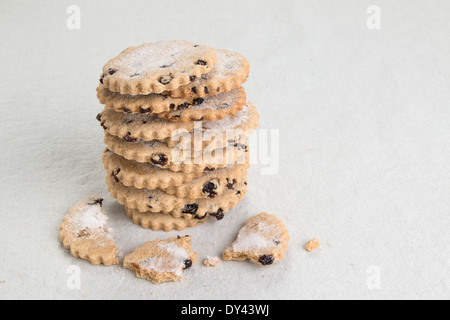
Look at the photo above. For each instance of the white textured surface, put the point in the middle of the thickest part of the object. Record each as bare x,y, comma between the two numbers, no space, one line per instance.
364,155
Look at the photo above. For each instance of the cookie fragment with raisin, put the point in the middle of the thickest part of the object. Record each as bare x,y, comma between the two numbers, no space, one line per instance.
162,260
84,232
263,240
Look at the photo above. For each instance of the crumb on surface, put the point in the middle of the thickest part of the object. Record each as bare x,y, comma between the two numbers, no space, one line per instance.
312,245
211,261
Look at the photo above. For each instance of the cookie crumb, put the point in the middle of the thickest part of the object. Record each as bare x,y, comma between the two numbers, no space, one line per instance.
211,261
312,245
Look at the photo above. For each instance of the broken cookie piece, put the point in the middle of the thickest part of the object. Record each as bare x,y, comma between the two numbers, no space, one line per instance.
84,232
264,240
162,260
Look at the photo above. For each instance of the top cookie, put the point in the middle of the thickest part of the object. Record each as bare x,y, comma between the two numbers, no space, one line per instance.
157,67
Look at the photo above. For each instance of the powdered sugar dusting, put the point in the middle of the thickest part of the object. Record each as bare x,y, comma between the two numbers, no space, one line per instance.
171,259
156,56
89,218
257,237
227,63
230,122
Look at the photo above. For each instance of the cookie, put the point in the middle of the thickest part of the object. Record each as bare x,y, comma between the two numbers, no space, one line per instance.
157,201
212,108
187,185
160,221
211,184
157,67
84,232
143,175
162,260
230,72
132,127
147,104
264,240
162,156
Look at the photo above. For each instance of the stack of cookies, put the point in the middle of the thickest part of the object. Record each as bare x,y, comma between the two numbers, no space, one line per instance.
176,122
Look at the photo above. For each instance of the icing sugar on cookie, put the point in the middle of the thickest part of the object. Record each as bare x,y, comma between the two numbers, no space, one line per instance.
264,240
162,260
157,67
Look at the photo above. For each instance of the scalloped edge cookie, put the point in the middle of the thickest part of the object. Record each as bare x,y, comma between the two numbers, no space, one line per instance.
157,67
160,155
143,175
143,104
186,185
157,201
140,126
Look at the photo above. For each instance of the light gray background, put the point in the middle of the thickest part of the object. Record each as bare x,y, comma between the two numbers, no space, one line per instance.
364,145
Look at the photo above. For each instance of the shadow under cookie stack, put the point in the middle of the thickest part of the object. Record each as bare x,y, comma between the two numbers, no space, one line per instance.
176,122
